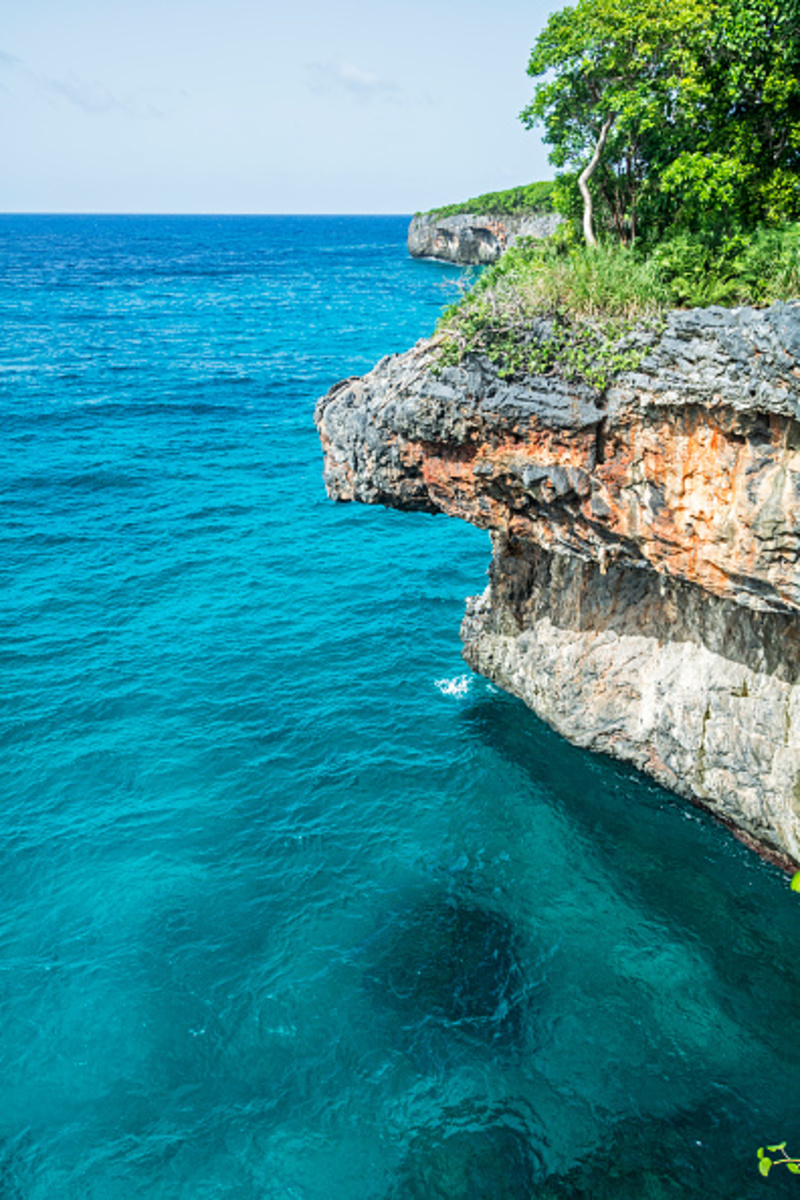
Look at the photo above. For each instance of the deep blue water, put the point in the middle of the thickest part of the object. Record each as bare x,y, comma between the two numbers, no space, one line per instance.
292,906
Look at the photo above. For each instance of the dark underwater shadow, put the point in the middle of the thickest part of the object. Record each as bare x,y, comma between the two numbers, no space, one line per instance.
669,1159
473,1153
17,1166
677,858
673,857
450,966
690,878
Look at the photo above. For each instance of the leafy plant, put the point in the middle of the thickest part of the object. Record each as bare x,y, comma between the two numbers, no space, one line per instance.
765,1163
548,309
671,114
714,268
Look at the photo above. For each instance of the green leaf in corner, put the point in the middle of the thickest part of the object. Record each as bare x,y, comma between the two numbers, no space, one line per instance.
764,1165
793,1167
760,1151
772,1149
795,884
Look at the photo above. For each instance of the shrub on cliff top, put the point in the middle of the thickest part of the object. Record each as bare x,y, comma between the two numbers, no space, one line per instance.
552,275
555,307
714,268
546,309
530,198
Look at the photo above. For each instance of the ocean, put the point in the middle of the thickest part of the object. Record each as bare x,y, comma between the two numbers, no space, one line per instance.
292,905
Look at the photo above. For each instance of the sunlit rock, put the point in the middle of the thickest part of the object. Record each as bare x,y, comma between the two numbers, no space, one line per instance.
645,588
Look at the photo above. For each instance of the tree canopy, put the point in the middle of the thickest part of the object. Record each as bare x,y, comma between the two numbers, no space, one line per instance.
672,113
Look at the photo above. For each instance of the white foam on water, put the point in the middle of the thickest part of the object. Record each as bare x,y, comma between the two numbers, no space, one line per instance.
459,686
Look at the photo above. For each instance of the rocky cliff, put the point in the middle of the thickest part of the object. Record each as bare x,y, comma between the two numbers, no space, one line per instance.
644,594
473,238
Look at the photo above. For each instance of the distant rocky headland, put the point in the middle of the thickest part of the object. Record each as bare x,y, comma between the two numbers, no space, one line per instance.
644,594
474,238
476,232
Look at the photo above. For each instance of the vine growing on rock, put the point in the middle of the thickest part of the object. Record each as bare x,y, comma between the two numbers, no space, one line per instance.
578,352
539,312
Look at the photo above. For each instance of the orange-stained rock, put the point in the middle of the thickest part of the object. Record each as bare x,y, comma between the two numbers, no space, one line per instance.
674,496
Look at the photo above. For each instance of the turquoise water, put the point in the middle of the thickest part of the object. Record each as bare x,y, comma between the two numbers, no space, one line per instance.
291,905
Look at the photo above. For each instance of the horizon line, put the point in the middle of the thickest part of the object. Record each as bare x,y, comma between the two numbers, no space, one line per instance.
36,212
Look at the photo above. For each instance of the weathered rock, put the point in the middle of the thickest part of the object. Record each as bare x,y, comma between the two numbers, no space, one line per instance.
645,588
474,238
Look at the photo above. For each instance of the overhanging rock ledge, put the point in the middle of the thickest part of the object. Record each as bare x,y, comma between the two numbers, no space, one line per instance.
644,594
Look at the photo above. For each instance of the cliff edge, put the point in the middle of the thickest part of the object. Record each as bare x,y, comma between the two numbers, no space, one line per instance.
644,594
473,238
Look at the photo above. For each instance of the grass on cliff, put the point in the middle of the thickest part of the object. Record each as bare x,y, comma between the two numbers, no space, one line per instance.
555,307
546,309
533,198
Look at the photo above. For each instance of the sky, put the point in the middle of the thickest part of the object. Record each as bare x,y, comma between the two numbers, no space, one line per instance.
249,106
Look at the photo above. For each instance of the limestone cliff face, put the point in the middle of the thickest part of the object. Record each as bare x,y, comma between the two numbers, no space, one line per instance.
645,586
473,238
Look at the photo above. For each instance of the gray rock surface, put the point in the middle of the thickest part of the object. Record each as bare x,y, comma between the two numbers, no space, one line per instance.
645,586
474,238
699,692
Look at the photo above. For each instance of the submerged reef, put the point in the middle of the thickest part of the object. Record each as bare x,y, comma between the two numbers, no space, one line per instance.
452,962
644,594
489,1159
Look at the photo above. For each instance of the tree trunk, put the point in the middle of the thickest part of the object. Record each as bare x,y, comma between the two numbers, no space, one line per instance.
586,174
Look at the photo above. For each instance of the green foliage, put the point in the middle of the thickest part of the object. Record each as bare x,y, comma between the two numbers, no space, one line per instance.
795,884
703,100
633,65
529,198
740,155
765,1163
714,268
546,309
556,273
557,307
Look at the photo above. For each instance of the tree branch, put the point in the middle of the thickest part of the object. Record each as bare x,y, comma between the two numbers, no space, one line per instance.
586,175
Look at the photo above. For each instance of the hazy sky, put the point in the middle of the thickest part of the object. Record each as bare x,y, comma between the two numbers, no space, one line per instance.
239,106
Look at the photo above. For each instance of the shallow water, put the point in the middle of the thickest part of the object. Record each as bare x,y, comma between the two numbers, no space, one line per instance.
291,905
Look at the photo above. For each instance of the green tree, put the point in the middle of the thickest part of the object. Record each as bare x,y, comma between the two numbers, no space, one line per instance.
615,79
673,112
740,158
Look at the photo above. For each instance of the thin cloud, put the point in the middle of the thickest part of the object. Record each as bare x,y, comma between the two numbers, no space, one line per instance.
95,98
340,76
88,97
8,62
91,98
